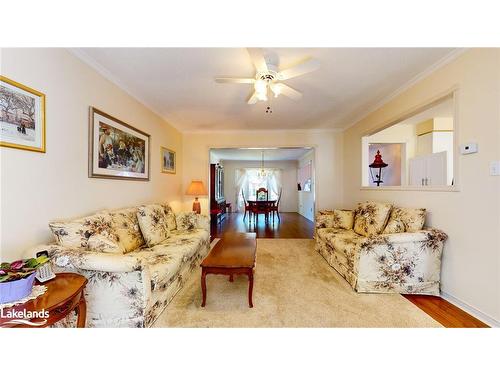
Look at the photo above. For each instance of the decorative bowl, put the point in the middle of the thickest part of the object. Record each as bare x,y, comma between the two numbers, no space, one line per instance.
15,290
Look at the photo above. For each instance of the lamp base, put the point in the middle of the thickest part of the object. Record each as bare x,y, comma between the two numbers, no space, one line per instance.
197,206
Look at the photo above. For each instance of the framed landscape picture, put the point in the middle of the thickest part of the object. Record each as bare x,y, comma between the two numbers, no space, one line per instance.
116,149
168,161
22,116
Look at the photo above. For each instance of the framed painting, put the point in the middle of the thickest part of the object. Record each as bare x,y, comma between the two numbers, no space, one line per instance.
116,149
168,162
22,116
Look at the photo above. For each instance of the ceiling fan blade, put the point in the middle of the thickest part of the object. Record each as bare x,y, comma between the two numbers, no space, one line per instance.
298,70
234,80
258,59
288,91
253,99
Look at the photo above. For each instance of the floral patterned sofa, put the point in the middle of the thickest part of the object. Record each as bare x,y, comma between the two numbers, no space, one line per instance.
135,259
379,248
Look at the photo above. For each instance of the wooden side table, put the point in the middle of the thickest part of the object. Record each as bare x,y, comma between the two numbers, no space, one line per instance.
64,294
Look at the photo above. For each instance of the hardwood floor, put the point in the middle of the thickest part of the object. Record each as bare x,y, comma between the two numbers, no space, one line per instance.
445,312
293,225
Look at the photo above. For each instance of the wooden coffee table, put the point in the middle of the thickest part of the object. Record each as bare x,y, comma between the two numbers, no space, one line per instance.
234,254
64,294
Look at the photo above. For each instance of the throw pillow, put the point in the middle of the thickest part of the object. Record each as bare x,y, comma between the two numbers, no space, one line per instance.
340,219
104,244
153,222
371,218
171,224
126,226
405,220
76,233
186,220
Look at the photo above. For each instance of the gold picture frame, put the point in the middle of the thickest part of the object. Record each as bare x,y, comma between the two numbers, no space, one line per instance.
168,163
24,108
117,150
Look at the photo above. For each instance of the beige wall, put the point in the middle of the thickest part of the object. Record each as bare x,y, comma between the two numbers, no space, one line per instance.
36,187
471,216
328,146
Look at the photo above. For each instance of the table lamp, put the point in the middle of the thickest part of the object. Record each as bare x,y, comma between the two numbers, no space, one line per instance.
196,188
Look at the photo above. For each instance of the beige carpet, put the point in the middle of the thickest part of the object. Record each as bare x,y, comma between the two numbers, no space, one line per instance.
293,287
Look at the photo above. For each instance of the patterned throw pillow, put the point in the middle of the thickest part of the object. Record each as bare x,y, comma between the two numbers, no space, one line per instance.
340,219
186,220
171,224
126,226
104,244
76,233
153,223
371,218
405,220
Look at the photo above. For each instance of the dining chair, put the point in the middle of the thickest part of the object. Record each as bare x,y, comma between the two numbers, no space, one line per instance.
247,206
262,194
275,207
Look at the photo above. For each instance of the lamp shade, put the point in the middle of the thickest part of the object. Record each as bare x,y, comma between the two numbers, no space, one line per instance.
196,188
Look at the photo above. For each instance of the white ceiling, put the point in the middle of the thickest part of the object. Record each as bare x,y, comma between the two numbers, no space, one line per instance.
256,154
178,83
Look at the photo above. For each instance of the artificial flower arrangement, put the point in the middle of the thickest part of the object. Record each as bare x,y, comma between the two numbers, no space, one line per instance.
17,278
20,268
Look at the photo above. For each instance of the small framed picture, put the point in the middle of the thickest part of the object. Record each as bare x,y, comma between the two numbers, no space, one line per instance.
116,149
22,116
168,161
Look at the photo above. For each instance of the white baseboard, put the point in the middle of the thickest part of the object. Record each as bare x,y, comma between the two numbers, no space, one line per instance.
471,310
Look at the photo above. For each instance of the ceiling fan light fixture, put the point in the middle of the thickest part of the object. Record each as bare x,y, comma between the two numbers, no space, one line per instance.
276,89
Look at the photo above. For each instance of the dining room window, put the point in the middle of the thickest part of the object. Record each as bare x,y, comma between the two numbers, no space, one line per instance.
249,180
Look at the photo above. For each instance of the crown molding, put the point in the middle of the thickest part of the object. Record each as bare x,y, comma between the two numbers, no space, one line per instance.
453,55
80,54
270,131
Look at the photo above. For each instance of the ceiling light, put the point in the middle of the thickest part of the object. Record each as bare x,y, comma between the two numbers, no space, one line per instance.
276,89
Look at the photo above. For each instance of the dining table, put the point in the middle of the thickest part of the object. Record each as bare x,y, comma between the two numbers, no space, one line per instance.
258,206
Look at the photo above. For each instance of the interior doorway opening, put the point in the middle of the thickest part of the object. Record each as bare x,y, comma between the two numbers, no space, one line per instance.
258,186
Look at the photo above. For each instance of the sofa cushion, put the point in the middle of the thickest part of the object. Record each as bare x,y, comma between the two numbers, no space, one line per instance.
153,223
371,218
335,219
102,243
186,220
405,220
126,226
326,233
166,259
171,223
76,233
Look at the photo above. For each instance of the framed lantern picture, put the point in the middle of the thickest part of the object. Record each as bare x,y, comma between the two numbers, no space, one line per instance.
116,149
168,162
22,116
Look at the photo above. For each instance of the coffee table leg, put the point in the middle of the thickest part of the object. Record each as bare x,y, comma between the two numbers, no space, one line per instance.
250,287
231,278
203,287
81,311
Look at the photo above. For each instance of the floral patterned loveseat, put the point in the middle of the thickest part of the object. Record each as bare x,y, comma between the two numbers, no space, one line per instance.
379,248
135,259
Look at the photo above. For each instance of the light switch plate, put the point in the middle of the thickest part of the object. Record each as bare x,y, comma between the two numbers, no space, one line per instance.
495,168
468,148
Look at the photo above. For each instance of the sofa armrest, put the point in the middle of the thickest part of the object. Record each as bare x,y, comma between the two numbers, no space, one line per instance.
203,222
72,257
324,220
429,236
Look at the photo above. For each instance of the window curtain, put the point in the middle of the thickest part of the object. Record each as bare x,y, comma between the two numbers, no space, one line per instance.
275,183
241,181
248,181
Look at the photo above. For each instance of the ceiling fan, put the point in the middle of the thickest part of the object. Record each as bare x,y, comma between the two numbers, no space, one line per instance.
268,77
